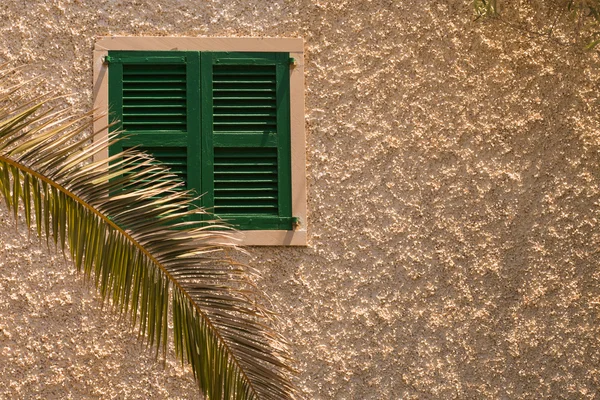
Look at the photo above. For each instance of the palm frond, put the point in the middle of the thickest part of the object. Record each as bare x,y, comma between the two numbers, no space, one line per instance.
127,227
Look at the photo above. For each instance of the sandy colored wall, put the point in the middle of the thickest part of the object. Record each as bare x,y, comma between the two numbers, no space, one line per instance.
454,175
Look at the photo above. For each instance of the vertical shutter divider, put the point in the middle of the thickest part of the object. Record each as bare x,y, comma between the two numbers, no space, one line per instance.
207,148
194,128
284,164
115,112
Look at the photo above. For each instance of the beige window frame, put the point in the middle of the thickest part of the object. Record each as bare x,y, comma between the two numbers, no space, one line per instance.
295,46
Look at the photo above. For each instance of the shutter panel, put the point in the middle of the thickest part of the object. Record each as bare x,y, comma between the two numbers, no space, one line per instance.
155,97
248,138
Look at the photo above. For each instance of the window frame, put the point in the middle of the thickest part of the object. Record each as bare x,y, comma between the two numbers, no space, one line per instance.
294,46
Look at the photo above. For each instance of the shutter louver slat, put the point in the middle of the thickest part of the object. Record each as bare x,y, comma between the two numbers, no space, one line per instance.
244,99
154,97
247,184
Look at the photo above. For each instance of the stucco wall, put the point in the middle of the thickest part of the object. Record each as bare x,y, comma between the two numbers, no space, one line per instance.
453,173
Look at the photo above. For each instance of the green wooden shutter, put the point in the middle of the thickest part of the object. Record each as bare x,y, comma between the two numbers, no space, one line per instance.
246,138
155,98
220,121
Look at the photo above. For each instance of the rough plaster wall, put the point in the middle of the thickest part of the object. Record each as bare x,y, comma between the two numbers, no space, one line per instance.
453,174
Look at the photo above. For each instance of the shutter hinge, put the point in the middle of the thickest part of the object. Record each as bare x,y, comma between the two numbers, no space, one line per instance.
296,223
107,59
293,61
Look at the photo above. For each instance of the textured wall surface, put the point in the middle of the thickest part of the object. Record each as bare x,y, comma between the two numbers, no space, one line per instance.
454,175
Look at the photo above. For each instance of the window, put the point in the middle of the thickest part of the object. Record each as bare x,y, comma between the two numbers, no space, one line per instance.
226,115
